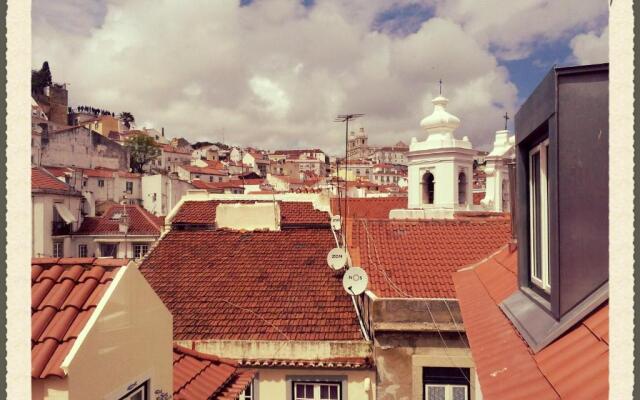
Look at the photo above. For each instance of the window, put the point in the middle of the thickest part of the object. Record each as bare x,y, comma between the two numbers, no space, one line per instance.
100,182
108,249
129,187
139,250
462,188
58,249
539,216
316,391
247,394
210,178
140,392
428,188
82,250
442,383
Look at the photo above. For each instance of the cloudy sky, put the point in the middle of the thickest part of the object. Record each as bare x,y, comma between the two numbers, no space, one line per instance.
274,74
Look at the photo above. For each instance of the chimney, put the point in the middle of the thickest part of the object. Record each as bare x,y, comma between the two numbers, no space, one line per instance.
248,216
163,131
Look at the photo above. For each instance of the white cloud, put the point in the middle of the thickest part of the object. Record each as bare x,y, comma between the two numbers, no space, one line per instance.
591,48
275,74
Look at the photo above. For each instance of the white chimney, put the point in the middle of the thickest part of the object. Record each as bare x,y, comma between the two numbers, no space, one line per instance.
248,216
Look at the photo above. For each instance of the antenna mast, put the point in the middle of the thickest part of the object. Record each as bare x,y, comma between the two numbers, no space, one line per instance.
346,118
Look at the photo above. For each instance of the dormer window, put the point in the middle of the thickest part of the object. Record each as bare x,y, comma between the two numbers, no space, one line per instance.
539,216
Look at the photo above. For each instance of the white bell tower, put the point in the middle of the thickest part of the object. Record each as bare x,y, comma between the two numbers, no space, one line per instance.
497,194
441,166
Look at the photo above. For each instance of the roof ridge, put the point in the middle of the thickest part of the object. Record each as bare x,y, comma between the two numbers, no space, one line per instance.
147,216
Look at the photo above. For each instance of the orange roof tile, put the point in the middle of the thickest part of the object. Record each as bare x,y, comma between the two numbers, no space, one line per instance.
199,376
328,363
141,222
41,179
261,285
372,207
575,366
64,294
418,258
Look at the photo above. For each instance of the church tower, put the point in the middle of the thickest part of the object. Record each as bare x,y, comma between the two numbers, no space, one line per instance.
440,167
497,183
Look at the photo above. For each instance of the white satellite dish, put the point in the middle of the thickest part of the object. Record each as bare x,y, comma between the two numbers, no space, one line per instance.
355,281
337,258
336,223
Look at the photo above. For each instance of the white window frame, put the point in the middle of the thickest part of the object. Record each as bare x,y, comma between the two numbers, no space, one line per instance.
140,245
316,389
58,248
86,250
250,395
542,281
100,182
448,390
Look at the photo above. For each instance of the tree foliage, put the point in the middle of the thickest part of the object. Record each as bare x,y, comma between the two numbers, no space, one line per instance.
142,150
40,79
127,118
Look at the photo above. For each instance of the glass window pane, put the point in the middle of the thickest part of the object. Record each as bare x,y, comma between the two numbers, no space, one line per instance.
435,393
324,392
536,266
309,391
333,392
459,392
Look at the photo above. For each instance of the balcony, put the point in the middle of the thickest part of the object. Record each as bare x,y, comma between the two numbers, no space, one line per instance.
60,228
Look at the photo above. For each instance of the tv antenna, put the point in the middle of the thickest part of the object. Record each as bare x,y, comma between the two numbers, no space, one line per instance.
345,118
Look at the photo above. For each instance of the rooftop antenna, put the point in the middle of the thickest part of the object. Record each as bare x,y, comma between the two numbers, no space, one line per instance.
506,119
346,118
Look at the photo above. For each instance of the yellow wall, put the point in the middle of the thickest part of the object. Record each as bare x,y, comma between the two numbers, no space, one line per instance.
131,341
51,389
273,384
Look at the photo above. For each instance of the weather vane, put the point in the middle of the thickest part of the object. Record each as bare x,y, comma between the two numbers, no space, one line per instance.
506,119
440,81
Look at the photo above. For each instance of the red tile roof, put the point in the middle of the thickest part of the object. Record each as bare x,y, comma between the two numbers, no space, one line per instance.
418,258
167,148
372,207
198,376
203,170
262,285
141,222
199,184
41,179
477,196
64,294
328,363
291,213
575,366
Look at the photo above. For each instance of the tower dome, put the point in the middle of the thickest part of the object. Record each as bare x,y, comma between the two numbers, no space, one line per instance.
440,121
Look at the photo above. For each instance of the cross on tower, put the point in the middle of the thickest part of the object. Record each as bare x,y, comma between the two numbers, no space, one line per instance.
506,119
440,81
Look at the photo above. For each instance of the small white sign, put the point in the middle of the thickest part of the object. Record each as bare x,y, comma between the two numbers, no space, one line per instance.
337,258
355,281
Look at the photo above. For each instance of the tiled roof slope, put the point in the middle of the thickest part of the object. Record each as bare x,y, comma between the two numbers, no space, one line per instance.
291,213
418,258
262,285
575,366
372,207
198,376
141,222
64,294
41,179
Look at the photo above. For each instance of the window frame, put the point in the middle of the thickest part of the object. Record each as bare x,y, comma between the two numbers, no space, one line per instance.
86,250
128,187
58,248
448,390
137,246
251,396
449,377
543,282
144,387
100,183
316,388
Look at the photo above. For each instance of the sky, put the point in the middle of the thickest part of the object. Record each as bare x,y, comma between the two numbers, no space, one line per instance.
273,74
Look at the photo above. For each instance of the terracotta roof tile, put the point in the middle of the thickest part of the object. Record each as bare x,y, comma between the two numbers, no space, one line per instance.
41,179
418,258
328,363
291,213
63,297
373,208
141,222
198,376
263,285
575,366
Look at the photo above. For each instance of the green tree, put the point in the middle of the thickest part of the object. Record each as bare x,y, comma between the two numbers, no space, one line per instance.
142,150
127,118
40,78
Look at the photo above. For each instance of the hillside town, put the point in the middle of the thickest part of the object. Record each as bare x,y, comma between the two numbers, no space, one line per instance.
428,270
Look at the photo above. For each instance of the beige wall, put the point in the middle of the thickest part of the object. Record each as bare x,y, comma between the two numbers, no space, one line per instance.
130,341
275,383
42,206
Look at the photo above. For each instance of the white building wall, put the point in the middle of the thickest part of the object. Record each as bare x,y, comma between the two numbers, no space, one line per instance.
161,193
42,206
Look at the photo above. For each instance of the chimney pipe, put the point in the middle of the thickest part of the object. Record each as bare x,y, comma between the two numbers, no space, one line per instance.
511,165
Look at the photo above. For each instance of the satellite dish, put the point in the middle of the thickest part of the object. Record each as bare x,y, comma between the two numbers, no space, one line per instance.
355,281
337,258
335,222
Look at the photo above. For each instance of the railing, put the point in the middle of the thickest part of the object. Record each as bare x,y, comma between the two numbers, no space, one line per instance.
60,228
